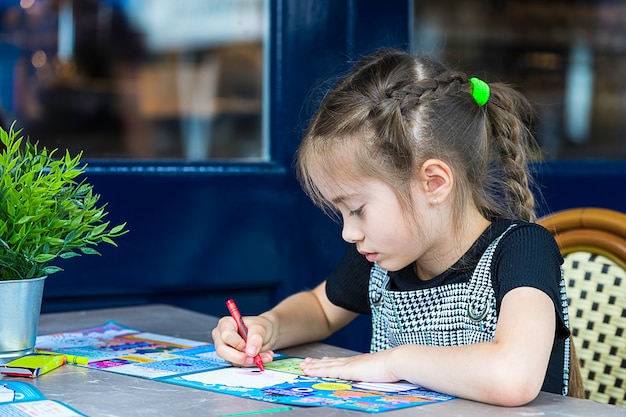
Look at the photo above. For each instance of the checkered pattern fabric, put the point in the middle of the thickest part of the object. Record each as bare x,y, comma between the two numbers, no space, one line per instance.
434,316
597,305
448,315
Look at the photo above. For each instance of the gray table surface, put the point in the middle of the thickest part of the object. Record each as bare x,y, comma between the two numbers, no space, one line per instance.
105,394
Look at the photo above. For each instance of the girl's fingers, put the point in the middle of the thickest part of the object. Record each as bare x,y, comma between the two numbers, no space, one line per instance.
230,346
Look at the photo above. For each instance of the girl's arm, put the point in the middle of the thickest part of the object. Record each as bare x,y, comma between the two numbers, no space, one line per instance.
508,371
303,317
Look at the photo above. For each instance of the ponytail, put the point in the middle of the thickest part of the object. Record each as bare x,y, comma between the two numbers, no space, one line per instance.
508,115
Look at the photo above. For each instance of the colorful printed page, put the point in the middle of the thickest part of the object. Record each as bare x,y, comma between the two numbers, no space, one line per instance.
15,391
115,348
47,408
284,382
19,399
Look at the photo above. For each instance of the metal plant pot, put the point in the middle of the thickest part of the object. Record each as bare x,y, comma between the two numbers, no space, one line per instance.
20,307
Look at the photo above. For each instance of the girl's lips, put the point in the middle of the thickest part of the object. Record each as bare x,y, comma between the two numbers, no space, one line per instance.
370,256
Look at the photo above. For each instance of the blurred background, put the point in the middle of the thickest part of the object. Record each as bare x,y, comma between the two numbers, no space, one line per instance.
163,79
136,78
568,57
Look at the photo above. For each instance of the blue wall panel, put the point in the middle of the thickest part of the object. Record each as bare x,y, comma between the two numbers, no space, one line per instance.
200,234
584,183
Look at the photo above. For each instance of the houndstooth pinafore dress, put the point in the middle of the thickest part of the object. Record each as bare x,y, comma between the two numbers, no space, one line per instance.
448,315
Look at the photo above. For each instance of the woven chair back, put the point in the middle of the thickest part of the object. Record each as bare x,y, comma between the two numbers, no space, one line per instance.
593,242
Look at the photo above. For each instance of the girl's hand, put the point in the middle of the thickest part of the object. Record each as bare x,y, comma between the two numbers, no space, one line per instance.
301,318
369,367
229,344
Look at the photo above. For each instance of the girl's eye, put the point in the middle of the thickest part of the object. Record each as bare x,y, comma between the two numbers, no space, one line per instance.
356,212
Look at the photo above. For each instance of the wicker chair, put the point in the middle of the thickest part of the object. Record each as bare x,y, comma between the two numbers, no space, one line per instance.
593,243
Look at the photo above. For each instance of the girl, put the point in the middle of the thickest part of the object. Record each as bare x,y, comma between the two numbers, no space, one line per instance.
427,169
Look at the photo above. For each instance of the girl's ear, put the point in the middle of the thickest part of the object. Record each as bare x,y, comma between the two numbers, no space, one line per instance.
437,180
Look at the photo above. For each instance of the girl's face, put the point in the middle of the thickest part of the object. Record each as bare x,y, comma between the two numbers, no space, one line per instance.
374,219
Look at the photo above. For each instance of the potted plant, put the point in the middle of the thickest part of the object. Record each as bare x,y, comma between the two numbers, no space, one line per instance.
48,212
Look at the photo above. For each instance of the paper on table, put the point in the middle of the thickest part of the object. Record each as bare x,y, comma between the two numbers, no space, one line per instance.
242,377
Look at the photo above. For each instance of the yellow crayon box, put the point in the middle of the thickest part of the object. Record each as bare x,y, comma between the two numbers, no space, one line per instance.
31,366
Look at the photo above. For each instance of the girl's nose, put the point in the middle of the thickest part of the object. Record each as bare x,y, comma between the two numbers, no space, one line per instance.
350,232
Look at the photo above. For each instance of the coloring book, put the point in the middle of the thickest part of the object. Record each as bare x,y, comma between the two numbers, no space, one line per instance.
19,399
112,347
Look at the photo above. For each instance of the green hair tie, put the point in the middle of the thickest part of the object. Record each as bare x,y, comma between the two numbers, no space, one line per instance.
480,91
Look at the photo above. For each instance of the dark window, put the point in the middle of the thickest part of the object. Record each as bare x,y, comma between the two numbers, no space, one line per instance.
567,57
136,79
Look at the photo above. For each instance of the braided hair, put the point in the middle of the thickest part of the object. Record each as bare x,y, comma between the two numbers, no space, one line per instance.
394,111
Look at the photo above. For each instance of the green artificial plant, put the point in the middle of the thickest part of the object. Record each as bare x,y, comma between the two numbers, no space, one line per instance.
46,212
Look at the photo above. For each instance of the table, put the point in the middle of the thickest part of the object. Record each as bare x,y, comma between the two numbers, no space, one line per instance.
105,394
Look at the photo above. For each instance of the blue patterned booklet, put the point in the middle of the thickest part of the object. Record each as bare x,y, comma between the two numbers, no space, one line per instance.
20,399
112,347
284,382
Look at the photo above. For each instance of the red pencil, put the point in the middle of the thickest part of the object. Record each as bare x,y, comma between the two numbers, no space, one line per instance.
241,327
